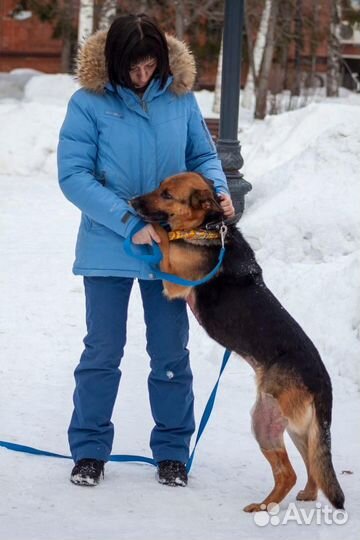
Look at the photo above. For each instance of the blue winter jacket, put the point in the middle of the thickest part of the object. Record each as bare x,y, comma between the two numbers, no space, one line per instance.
115,146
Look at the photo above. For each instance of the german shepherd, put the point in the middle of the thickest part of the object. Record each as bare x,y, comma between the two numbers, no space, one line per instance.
238,311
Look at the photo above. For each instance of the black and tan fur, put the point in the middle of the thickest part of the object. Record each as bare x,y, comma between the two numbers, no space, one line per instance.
238,310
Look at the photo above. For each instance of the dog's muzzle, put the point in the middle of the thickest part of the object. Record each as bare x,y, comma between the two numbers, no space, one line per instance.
140,205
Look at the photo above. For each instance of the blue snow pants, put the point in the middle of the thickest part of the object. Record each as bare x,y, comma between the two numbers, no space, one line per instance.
97,376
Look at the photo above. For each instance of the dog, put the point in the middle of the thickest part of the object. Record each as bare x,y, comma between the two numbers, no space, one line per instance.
238,311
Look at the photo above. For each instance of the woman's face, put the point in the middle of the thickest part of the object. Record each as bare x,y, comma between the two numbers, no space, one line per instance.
142,72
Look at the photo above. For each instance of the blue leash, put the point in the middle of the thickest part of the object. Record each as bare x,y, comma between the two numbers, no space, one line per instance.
153,256
208,408
128,458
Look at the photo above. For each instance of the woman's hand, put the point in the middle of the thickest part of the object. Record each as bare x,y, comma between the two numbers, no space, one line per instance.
226,204
146,235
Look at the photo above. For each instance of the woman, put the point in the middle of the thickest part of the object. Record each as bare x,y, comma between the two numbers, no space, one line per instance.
133,123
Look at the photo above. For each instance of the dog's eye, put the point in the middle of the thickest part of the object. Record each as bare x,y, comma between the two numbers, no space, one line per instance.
166,195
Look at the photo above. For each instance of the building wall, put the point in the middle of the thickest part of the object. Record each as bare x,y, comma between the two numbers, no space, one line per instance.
30,44
27,43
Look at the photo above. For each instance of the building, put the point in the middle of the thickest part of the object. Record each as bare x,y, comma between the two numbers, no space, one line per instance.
349,38
25,41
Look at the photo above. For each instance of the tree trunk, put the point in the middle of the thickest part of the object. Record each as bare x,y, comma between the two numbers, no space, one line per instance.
258,52
333,63
263,79
296,89
217,93
287,14
250,44
107,14
179,19
67,36
66,55
86,20
314,41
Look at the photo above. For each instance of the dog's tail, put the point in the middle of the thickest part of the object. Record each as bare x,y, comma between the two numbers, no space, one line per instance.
320,461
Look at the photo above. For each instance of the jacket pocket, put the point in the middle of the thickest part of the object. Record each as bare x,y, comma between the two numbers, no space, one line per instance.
168,120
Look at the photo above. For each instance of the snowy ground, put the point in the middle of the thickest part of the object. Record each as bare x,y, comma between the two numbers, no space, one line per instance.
302,218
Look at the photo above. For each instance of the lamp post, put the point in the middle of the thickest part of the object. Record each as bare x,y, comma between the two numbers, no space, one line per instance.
228,145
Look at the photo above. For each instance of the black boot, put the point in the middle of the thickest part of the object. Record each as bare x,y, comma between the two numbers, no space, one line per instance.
172,473
87,472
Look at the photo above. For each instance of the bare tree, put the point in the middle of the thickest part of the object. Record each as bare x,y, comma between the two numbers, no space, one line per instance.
217,93
299,42
187,12
62,15
256,53
286,36
144,5
333,65
314,40
106,14
249,40
66,29
86,19
180,22
263,79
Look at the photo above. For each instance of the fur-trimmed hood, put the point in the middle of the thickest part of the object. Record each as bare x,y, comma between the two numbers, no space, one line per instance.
91,69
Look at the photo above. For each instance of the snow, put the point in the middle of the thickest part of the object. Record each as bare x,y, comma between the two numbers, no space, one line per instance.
302,219
12,84
55,89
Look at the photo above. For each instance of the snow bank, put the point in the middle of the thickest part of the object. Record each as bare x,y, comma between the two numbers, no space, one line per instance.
302,215
31,127
55,89
29,137
12,84
303,219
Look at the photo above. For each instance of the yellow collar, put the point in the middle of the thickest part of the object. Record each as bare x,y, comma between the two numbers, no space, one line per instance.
193,235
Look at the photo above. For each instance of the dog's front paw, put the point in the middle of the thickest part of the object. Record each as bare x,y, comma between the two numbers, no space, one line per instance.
255,507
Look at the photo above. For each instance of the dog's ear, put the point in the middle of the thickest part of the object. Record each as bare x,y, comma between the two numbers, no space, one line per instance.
204,199
209,182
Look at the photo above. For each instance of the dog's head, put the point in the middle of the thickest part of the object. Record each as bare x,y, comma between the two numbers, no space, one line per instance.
184,201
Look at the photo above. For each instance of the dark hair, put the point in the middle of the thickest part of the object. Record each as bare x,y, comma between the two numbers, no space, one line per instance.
133,38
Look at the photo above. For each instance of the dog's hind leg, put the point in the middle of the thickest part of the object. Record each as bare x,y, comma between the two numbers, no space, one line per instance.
268,424
301,441
312,438
298,408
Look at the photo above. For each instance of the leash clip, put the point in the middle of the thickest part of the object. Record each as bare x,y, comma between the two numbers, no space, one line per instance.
212,226
223,232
